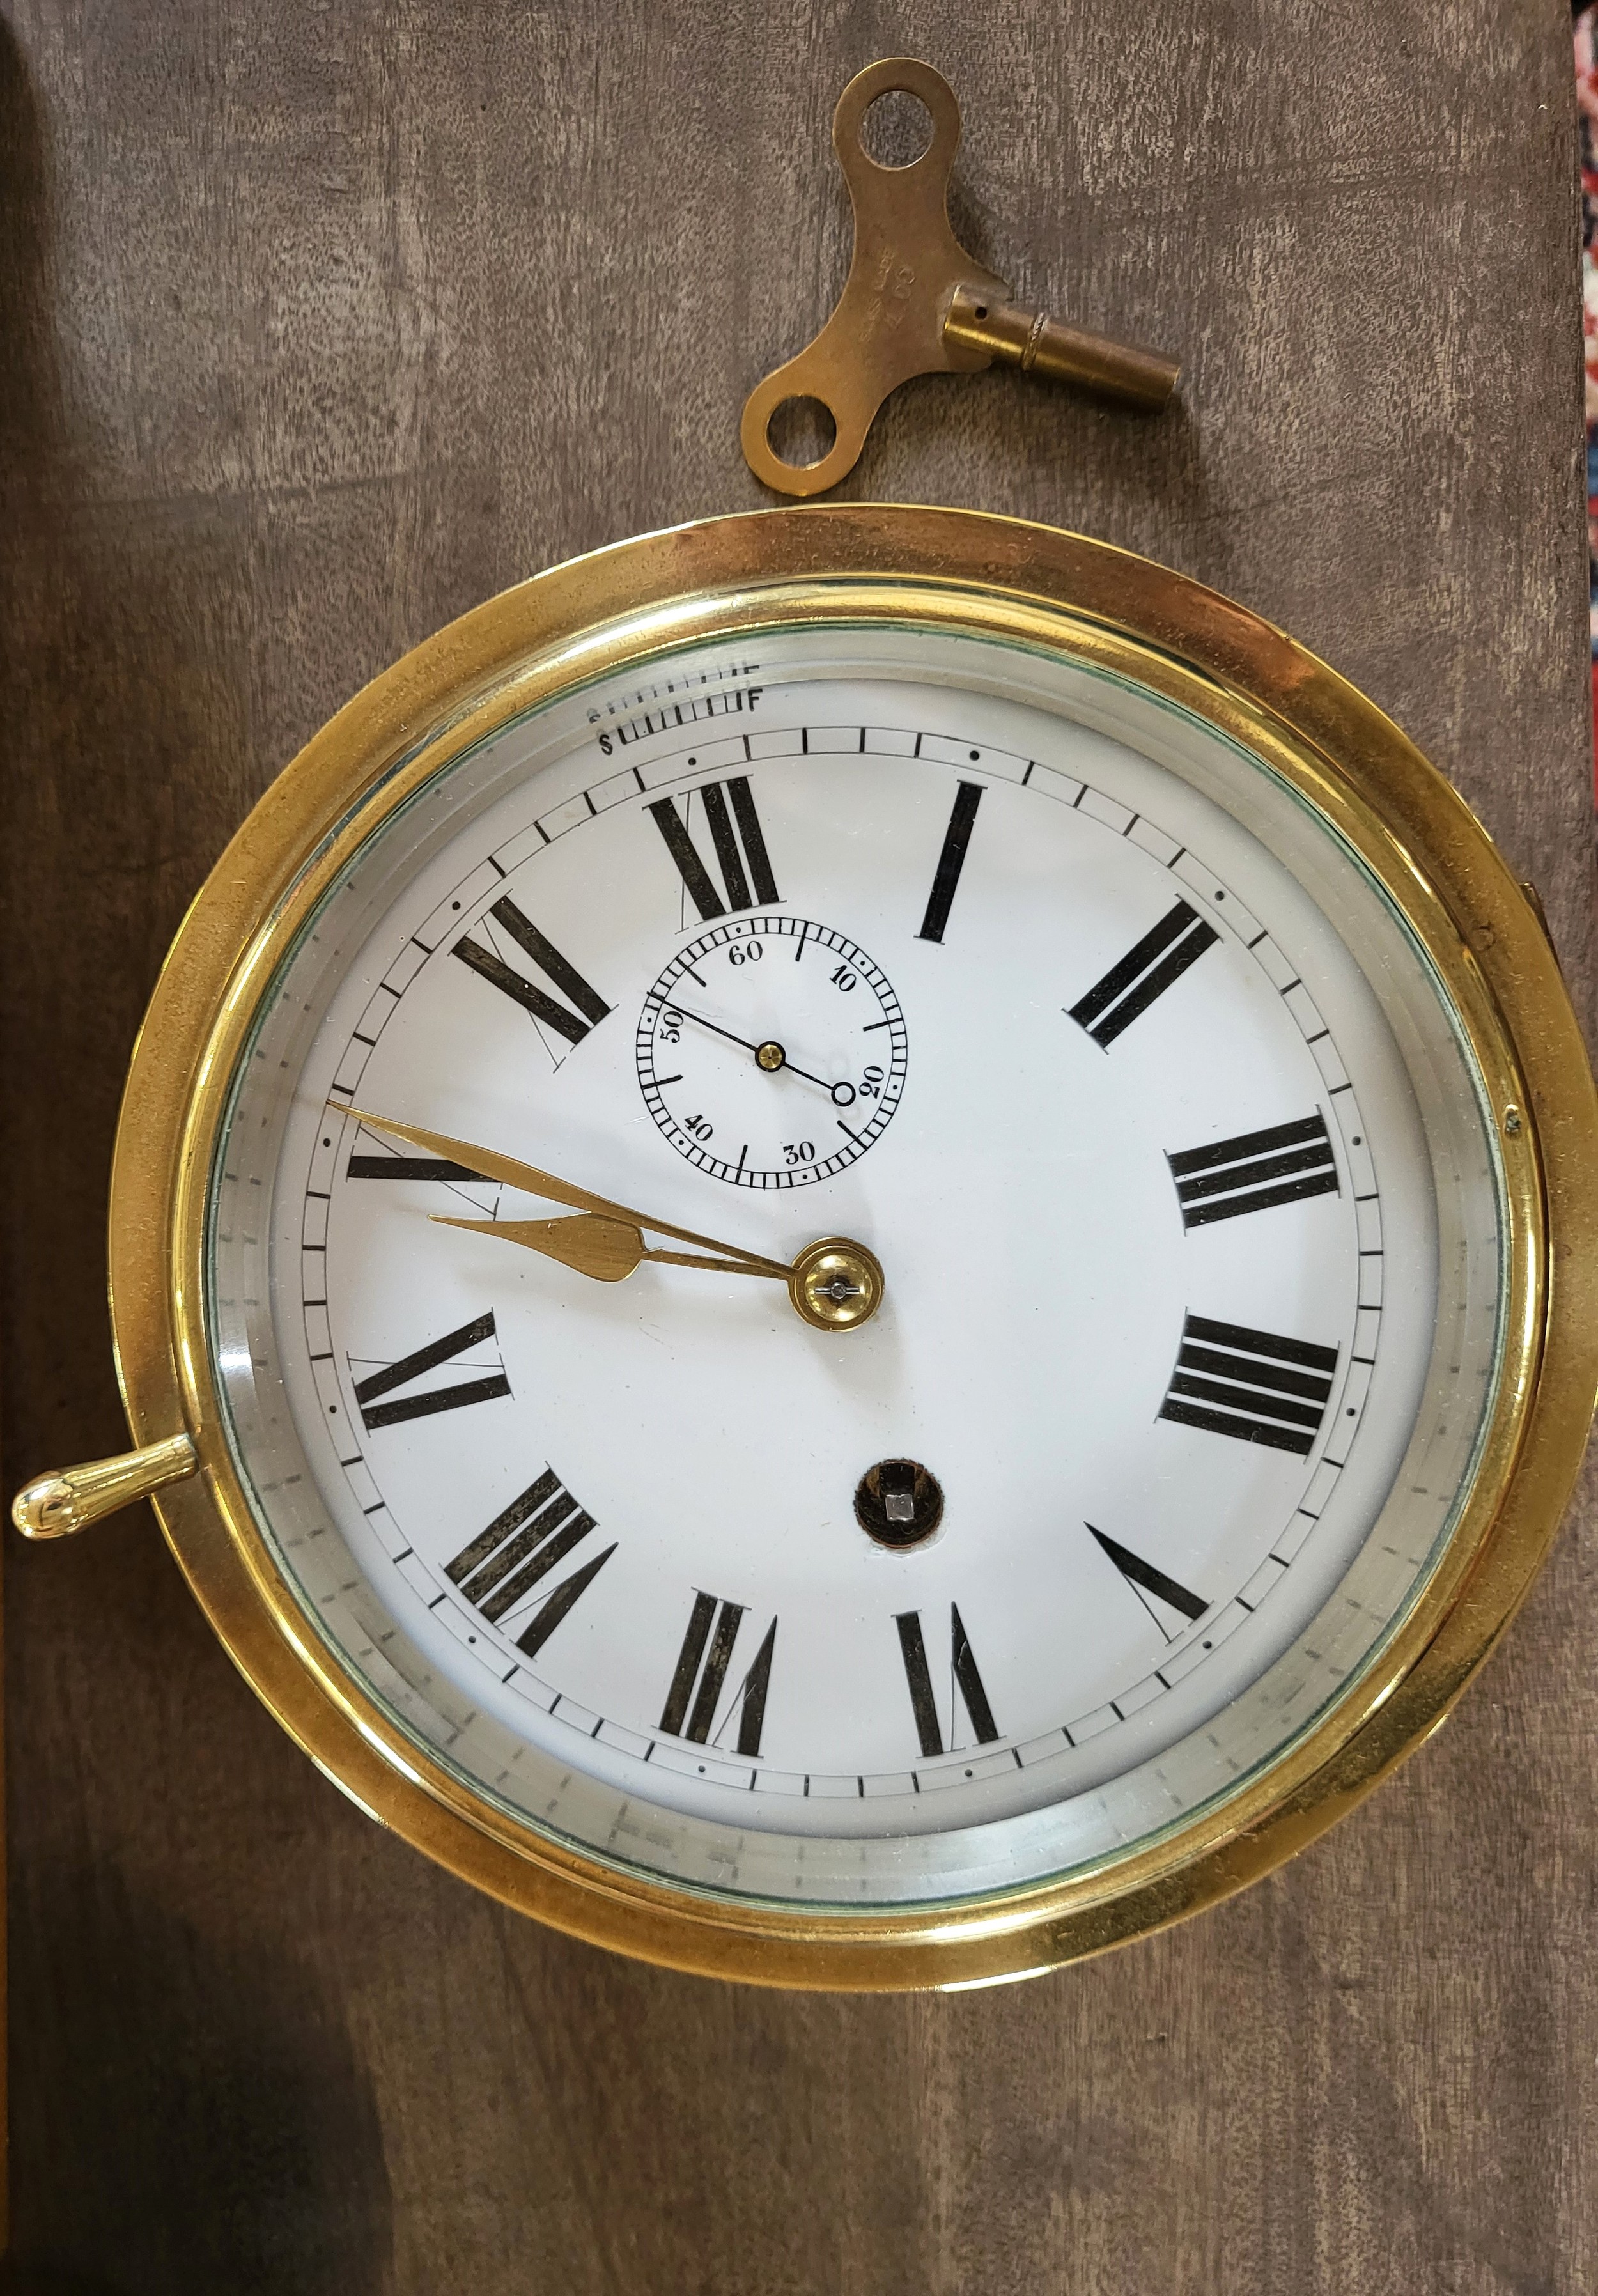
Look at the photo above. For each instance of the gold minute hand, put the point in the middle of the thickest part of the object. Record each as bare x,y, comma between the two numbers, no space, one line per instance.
602,1246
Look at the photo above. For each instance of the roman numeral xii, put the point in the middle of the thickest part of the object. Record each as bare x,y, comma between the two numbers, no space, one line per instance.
740,845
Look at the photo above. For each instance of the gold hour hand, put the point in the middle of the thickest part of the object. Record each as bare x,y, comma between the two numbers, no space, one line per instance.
605,1248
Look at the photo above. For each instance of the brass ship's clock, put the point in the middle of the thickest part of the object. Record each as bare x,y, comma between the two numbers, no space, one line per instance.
855,1248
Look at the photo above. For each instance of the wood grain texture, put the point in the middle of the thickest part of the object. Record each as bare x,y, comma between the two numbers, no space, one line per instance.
320,325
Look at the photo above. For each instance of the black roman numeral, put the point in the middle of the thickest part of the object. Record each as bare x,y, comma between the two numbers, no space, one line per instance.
946,878
388,1166
438,1398
1145,1578
700,1675
716,797
1146,972
1257,1170
406,1167
962,1665
1255,1385
549,961
522,1546
532,1534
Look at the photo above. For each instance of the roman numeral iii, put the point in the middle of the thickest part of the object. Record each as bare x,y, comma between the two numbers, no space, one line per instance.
378,1383
1257,1170
584,1005
732,820
963,1669
1254,1385
1152,966
520,1547
701,1670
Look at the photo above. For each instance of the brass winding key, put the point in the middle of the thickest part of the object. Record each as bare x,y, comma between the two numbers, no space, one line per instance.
916,303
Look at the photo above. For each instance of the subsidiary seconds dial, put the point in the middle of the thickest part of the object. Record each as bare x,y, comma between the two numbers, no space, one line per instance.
771,1052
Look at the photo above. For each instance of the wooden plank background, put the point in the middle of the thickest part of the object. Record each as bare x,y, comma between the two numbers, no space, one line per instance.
319,324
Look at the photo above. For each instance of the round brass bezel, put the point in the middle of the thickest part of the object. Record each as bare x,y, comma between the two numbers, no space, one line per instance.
991,577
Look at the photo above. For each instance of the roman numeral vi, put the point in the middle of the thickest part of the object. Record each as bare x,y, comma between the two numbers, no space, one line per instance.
700,1673
1254,1385
378,1383
730,817
962,1665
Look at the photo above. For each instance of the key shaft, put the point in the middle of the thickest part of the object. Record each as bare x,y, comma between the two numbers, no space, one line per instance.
1013,336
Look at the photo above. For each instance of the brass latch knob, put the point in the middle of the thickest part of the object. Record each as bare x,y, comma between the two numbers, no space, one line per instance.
55,1505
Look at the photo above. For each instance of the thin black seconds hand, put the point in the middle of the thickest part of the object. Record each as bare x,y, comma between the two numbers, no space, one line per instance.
717,1029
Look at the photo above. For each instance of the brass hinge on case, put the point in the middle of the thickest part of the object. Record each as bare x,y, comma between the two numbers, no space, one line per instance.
56,1505
1536,900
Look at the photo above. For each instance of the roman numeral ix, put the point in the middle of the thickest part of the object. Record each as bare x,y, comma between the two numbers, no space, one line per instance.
589,1005
700,1673
1257,1170
388,1166
522,1546
1146,972
1145,1578
963,1667
951,860
1254,1385
726,804
378,1383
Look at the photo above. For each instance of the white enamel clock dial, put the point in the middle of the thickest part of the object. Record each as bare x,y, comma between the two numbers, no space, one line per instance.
1133,1084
